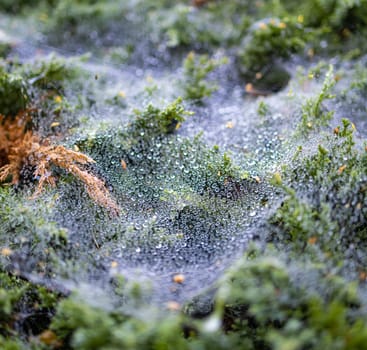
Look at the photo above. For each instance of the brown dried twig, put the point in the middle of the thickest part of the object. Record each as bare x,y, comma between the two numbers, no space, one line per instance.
20,148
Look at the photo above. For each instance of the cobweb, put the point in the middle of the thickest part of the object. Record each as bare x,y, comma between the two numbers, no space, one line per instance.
180,215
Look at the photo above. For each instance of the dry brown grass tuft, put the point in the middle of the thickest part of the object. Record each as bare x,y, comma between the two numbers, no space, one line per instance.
20,148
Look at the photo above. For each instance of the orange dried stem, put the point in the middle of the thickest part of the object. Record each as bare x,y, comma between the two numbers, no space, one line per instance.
19,148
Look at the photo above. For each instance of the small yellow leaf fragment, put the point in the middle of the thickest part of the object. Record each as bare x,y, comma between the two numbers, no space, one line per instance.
114,264
48,337
191,55
43,17
277,178
341,169
309,125
6,251
312,240
249,87
229,125
346,33
173,306
122,94
123,164
178,125
362,275
179,278
257,179
58,99
54,124
300,18
262,25
282,25
311,53
251,90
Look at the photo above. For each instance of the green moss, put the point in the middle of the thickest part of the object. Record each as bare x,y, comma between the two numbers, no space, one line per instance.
77,20
13,94
54,72
23,308
269,302
336,14
314,115
11,344
32,225
11,291
90,328
219,23
359,82
17,6
262,109
196,69
326,199
155,121
269,40
307,292
5,49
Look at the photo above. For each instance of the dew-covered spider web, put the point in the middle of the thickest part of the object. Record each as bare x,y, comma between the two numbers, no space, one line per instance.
191,200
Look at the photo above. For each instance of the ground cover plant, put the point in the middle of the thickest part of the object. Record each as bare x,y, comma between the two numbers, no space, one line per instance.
183,175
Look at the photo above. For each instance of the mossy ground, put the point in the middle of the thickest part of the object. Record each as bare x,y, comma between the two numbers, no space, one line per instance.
242,208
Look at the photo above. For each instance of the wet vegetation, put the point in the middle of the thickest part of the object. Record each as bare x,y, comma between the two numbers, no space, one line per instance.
183,175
